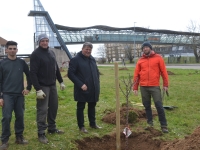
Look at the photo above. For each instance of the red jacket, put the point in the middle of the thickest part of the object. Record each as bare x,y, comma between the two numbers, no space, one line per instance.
148,70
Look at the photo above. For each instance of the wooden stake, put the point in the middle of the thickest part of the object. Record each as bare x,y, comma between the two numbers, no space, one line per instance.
118,142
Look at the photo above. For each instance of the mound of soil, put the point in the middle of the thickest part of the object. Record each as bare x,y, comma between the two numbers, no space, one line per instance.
139,140
170,73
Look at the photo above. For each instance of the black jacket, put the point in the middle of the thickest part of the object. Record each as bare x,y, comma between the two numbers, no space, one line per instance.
43,68
12,76
83,70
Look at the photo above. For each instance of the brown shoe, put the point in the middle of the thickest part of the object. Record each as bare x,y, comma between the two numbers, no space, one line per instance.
96,127
83,130
20,140
4,146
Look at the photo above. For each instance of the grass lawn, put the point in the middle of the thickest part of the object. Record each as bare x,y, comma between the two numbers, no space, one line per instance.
184,92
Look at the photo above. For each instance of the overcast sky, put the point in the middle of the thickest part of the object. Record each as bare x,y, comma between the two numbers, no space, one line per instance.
153,14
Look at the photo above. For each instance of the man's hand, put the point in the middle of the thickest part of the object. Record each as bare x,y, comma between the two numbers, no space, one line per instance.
84,87
135,92
25,92
1,102
62,86
165,88
40,94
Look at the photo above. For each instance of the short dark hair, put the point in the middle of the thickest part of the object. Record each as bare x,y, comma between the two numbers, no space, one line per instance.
87,44
10,43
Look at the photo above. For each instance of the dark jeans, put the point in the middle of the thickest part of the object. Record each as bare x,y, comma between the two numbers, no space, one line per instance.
91,113
47,109
155,92
16,103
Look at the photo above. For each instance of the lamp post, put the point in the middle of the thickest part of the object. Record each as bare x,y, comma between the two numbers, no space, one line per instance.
134,59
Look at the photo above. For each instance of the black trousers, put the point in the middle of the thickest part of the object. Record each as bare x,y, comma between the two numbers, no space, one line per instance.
91,113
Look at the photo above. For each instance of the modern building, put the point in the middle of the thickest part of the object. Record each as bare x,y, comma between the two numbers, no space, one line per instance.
2,46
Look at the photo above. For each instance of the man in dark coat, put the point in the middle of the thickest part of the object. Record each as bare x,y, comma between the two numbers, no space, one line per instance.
83,72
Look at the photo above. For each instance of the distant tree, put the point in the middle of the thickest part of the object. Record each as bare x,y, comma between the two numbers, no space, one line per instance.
193,27
129,52
101,53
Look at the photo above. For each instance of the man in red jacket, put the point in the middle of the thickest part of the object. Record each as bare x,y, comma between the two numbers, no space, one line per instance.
147,74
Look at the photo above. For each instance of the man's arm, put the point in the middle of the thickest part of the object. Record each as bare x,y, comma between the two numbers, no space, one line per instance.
72,71
1,80
164,73
28,79
136,77
34,66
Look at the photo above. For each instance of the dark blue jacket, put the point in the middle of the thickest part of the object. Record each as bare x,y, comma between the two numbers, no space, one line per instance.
83,70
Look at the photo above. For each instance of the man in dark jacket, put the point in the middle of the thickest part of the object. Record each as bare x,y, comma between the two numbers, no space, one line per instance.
43,72
12,91
83,72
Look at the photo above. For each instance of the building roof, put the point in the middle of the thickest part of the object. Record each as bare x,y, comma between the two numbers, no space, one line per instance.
2,41
136,29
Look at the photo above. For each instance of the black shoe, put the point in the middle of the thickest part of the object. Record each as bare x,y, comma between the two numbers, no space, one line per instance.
83,130
96,127
55,131
20,140
42,138
164,130
149,125
4,146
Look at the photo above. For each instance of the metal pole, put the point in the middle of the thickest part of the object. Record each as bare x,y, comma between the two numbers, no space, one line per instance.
134,59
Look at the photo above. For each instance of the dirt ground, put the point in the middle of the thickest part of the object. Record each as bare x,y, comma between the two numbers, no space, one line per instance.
140,140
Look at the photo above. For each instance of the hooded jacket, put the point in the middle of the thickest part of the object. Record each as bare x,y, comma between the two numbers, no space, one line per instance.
148,71
83,70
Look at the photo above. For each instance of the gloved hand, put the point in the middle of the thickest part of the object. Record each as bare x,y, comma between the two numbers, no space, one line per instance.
62,86
40,94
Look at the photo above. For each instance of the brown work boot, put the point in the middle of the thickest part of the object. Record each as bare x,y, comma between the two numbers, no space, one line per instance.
4,146
42,138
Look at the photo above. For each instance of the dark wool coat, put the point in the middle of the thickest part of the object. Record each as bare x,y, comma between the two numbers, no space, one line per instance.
83,70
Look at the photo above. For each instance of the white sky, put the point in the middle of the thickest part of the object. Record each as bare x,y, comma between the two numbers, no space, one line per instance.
153,14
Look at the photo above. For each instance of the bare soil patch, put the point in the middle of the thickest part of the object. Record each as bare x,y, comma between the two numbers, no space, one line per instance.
139,140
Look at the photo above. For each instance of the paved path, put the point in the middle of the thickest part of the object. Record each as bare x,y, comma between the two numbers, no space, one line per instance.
175,66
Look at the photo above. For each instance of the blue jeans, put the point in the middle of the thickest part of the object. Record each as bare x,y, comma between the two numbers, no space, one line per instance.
16,103
155,92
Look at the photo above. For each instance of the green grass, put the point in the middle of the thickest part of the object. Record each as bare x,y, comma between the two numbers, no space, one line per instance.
184,93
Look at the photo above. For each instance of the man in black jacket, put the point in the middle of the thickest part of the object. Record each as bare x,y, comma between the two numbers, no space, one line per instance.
12,94
83,72
43,72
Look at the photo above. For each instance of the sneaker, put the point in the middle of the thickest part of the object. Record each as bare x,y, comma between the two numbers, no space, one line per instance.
42,138
164,130
55,131
20,140
4,146
83,130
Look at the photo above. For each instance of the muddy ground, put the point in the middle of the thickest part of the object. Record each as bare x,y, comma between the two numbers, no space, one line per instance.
140,140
